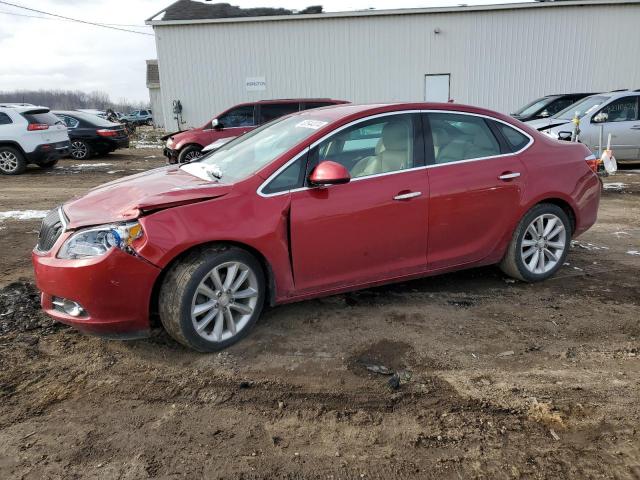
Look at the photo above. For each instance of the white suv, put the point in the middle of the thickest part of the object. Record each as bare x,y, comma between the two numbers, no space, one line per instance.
30,134
616,113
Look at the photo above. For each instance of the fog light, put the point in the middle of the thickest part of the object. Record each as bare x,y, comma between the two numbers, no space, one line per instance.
71,308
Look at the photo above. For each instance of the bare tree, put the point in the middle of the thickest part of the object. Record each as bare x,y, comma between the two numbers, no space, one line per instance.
70,100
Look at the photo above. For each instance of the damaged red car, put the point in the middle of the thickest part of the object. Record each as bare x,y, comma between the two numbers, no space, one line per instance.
315,203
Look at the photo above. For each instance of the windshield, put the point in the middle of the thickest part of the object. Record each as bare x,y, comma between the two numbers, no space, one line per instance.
247,154
582,108
534,106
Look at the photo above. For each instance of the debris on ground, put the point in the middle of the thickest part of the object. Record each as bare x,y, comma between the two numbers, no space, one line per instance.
381,369
508,353
20,310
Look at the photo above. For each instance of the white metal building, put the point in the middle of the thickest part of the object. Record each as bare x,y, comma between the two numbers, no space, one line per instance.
497,56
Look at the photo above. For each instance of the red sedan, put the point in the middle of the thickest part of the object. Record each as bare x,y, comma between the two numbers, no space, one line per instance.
315,203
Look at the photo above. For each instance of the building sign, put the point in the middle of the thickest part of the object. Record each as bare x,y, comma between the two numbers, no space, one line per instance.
256,84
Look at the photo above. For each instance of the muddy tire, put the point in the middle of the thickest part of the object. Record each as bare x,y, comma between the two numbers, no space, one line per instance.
210,299
12,161
540,244
48,165
189,153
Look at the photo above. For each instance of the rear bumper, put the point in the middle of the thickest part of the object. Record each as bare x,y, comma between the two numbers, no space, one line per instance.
111,144
114,290
48,152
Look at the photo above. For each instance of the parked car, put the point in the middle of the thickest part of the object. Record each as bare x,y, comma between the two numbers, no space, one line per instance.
140,117
187,145
616,113
30,134
315,203
547,106
91,135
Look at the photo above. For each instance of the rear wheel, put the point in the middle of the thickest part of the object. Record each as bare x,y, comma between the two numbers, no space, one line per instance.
48,165
212,298
187,154
539,245
80,150
12,162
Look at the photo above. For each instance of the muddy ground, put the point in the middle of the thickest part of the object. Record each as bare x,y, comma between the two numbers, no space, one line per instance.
497,379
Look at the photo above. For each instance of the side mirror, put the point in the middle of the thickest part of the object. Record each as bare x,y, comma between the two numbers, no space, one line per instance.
215,124
566,136
329,173
601,118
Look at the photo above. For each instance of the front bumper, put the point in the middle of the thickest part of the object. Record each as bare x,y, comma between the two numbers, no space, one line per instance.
172,155
48,152
114,289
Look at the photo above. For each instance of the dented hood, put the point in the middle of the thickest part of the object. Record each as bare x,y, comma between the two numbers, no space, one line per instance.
129,197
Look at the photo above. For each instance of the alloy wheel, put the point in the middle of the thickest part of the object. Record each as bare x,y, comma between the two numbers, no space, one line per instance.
192,155
543,243
8,162
79,150
224,301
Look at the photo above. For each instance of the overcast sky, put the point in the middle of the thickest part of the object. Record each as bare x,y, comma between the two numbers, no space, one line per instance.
37,53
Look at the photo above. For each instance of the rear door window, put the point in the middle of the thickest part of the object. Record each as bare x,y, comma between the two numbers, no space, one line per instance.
271,111
458,137
68,121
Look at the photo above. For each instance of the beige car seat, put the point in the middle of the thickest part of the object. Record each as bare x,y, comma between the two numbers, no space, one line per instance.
481,145
392,152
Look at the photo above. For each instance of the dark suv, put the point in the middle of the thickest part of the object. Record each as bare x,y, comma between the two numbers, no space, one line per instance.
547,106
187,145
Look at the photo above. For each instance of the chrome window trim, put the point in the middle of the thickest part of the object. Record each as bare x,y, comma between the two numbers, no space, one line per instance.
386,114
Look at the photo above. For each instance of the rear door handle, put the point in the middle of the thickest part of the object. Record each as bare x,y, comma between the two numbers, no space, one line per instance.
509,175
635,127
407,196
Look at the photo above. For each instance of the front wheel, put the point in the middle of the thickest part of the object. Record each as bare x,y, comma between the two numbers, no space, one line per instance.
211,299
190,153
540,244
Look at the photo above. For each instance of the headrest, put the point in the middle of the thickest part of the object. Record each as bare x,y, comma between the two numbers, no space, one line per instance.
395,136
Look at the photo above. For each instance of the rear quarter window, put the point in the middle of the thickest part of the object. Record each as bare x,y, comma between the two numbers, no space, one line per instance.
516,140
5,119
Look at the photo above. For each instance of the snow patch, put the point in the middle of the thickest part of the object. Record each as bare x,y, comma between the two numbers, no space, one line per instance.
23,215
91,165
615,186
634,253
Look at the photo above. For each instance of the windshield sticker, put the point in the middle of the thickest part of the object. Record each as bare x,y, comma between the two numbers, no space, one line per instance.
312,124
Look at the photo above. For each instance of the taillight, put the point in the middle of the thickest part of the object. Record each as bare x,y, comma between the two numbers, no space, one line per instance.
593,162
107,133
37,126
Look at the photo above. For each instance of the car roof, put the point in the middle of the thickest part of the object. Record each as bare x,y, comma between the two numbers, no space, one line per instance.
22,107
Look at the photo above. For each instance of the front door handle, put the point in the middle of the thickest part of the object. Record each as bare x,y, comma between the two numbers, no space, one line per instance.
635,127
407,196
509,175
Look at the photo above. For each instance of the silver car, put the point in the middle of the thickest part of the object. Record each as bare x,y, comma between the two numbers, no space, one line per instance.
616,113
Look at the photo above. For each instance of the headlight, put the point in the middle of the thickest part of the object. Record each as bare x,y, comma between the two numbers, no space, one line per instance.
169,142
96,241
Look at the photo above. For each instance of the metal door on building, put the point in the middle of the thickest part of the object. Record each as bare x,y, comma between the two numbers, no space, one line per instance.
436,87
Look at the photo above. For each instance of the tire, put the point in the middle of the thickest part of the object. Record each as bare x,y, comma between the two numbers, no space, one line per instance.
190,284
48,165
80,150
188,153
12,161
522,260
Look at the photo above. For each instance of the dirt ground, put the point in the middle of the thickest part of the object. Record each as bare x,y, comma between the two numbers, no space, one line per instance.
493,378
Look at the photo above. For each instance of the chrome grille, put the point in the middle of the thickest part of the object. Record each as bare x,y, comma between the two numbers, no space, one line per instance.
51,229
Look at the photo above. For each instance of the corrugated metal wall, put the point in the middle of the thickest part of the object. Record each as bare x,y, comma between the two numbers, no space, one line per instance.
498,59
